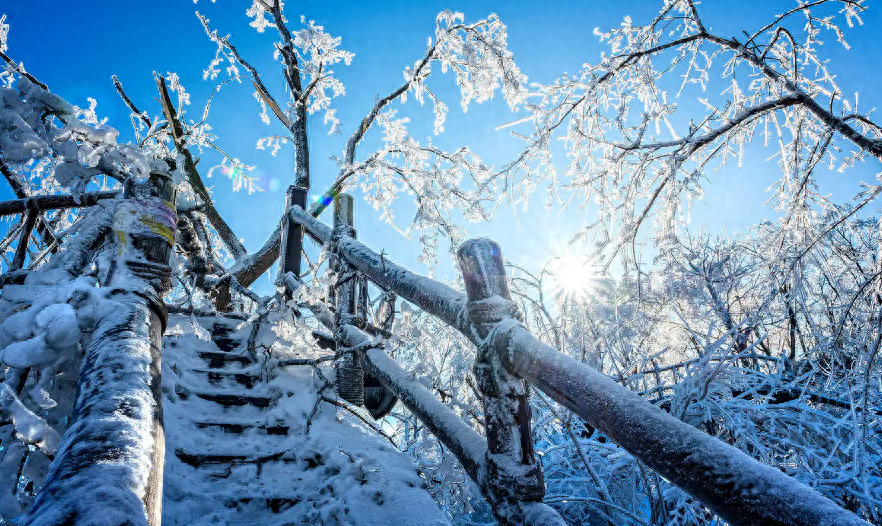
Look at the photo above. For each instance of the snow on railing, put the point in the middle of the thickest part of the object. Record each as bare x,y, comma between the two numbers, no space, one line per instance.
739,488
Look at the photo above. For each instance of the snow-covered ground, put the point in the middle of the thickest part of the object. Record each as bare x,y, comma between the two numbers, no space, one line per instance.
238,450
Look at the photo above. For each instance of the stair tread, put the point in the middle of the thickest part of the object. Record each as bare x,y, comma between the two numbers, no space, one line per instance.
226,355
201,459
220,359
232,427
215,376
237,399
225,372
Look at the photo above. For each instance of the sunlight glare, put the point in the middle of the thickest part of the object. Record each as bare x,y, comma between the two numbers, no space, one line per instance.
572,277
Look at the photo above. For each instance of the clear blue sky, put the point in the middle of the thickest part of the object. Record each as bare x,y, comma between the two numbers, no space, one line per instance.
76,45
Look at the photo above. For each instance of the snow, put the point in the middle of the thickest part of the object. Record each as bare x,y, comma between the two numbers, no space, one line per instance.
59,321
27,424
27,353
39,330
337,472
100,472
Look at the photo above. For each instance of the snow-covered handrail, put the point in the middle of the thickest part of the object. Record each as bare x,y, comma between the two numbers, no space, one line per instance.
739,488
469,447
53,202
115,445
451,430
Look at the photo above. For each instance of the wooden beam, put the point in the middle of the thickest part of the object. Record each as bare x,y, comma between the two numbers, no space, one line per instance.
53,202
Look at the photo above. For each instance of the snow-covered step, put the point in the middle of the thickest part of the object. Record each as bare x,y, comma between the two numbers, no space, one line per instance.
219,377
239,428
234,399
238,451
273,504
204,459
219,359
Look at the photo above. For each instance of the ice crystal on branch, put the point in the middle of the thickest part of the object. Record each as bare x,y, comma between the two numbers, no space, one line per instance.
616,118
4,33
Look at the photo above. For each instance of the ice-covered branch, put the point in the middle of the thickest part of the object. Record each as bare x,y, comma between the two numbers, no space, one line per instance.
177,130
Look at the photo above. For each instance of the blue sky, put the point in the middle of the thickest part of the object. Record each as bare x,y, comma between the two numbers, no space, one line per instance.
76,45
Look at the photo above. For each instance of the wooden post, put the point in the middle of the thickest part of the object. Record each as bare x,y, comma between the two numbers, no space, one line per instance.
350,375
512,474
155,247
292,234
115,445
21,251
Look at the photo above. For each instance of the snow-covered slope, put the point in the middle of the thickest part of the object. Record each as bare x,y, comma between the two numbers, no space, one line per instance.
238,451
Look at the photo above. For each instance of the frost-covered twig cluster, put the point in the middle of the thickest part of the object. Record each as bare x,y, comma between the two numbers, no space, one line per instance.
781,363
640,152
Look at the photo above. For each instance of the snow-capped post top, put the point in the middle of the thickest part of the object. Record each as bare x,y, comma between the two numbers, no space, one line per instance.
482,269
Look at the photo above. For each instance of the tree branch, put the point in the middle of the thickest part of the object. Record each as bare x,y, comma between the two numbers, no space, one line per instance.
177,130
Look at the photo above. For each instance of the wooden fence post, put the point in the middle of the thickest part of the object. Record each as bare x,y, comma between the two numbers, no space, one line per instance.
151,263
292,234
511,472
350,375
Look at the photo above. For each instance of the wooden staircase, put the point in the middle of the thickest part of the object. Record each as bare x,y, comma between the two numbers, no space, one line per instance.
238,450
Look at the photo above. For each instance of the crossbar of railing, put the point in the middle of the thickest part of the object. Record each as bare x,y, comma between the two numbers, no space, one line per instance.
739,488
451,430
53,202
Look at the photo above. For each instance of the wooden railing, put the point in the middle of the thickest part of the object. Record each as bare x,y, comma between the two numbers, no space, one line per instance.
31,210
114,444
740,489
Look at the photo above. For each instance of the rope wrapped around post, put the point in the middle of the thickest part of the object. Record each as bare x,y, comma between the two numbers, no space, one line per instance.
511,473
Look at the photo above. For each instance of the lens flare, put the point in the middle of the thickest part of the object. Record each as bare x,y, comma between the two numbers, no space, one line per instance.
573,277
325,201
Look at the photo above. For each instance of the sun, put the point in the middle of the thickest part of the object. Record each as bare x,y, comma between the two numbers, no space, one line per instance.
573,277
